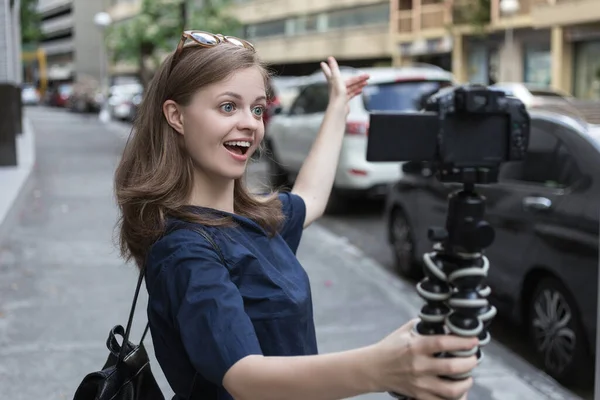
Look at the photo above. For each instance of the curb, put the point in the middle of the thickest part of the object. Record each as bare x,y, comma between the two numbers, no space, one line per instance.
19,179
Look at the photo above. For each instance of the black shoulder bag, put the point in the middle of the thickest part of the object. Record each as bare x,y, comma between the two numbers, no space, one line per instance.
126,375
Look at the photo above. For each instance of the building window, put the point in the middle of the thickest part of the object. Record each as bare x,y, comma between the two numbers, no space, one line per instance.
265,29
351,17
587,70
537,65
368,15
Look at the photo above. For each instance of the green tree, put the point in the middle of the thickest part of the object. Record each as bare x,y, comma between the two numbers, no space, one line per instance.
475,13
30,22
157,29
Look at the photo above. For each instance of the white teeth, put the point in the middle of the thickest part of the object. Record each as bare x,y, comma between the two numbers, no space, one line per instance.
238,143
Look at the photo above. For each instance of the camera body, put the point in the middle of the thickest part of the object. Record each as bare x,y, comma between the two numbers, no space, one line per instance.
465,133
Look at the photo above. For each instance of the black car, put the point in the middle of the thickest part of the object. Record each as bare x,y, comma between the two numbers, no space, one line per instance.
544,259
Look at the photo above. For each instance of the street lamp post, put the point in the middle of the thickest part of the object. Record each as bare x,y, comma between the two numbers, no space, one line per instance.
509,8
103,20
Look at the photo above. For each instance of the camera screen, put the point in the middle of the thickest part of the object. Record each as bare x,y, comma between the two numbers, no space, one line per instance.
472,139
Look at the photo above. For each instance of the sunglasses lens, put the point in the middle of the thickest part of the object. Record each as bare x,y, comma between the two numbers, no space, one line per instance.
204,38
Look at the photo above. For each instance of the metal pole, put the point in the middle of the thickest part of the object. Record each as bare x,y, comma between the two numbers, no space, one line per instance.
104,114
509,43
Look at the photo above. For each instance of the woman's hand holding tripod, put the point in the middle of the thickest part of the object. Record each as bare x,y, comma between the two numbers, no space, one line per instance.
405,364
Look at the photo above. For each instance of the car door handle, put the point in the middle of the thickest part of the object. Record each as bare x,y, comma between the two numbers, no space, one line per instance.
537,203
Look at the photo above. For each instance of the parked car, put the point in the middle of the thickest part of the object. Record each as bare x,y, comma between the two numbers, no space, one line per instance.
544,260
58,96
135,104
86,95
120,100
535,95
292,132
30,95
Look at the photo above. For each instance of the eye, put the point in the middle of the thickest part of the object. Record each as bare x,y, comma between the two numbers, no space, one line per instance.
258,111
228,107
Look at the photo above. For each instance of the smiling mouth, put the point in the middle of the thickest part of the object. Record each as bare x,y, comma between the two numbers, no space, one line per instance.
237,147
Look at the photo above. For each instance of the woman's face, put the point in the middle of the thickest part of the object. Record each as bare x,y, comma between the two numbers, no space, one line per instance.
223,126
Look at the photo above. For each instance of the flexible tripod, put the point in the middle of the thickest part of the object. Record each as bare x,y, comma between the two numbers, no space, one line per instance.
453,287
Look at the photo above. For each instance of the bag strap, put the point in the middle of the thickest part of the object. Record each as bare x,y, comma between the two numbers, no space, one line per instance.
130,320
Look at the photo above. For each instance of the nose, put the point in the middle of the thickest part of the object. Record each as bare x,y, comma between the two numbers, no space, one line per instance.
248,121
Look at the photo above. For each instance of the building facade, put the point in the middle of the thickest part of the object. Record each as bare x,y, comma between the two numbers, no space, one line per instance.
294,36
70,40
575,27
546,42
554,42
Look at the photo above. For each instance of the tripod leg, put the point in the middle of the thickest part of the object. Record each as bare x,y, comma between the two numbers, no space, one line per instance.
435,290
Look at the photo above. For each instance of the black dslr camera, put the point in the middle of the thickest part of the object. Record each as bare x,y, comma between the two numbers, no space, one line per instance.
464,134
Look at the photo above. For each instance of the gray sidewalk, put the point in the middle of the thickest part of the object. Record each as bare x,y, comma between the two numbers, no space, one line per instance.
13,180
63,286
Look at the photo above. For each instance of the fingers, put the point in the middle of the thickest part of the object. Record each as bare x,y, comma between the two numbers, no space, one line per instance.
326,70
452,366
445,343
356,87
330,68
354,91
359,80
409,326
333,65
451,390
435,388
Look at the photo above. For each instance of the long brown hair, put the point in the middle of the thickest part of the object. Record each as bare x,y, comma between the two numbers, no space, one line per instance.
154,178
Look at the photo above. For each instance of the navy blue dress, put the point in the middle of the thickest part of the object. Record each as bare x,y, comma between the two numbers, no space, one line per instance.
205,316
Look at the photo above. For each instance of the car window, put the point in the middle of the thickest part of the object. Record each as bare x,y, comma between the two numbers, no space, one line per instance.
400,96
312,99
319,99
65,90
548,161
299,105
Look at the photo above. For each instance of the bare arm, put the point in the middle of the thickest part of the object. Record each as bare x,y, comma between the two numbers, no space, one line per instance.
315,179
322,377
402,362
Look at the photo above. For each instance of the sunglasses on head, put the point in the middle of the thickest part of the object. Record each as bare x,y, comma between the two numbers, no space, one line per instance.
207,39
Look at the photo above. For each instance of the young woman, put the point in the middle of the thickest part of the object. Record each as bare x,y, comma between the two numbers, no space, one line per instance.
231,313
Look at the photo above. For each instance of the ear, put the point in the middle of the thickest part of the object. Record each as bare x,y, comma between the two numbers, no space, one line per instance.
174,115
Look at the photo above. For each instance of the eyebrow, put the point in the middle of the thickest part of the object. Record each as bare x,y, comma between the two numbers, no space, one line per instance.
237,96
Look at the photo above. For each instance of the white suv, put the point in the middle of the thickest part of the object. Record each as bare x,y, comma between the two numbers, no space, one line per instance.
292,132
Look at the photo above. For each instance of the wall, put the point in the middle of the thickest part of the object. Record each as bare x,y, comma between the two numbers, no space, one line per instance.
87,38
360,43
264,10
6,70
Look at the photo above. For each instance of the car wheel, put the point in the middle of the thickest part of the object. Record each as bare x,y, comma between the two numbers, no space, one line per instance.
403,246
556,331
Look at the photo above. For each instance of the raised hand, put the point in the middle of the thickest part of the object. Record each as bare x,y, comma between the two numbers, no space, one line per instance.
341,90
